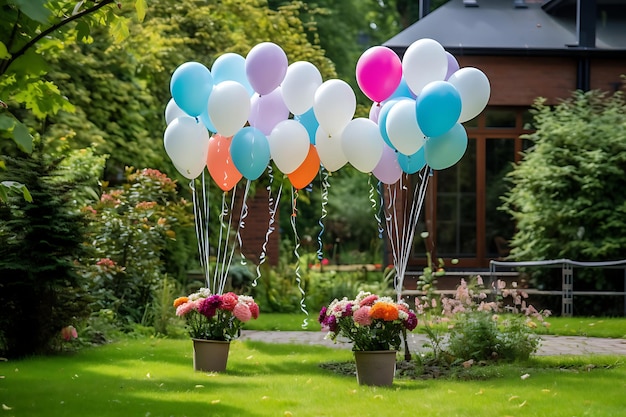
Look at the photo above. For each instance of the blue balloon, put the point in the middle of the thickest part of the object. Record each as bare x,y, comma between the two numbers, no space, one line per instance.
250,152
412,163
402,90
206,121
191,85
382,119
446,150
438,108
310,123
231,67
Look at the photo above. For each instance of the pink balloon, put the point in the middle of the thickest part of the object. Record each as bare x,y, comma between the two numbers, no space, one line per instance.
388,170
266,66
378,72
267,111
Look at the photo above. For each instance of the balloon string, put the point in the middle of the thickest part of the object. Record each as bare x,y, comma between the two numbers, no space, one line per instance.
240,225
375,203
273,207
221,244
324,193
303,308
381,208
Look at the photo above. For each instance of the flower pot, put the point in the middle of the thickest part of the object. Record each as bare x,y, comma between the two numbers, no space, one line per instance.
210,355
376,367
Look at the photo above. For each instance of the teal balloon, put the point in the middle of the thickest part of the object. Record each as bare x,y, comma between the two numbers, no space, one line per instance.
310,123
191,85
231,67
382,119
446,150
437,108
250,152
402,91
412,163
206,121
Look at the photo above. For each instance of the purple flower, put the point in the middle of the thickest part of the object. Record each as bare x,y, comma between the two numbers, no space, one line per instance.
411,322
347,311
208,307
331,323
322,316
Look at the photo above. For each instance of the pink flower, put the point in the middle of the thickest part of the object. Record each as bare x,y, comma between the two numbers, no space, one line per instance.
369,300
254,310
185,308
242,312
68,333
229,301
362,316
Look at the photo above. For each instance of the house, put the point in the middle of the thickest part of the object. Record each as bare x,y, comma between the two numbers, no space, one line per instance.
527,49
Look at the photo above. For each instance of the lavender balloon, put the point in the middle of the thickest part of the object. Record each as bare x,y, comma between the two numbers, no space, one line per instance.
266,66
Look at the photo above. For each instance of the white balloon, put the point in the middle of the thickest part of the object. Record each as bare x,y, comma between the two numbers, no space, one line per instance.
473,86
299,86
289,145
334,105
229,107
424,61
362,144
402,128
186,142
172,111
330,150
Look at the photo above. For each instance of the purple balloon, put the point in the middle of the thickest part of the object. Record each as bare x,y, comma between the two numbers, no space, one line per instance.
453,65
267,111
266,67
388,170
375,112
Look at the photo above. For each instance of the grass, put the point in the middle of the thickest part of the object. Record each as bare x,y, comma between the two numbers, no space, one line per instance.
562,326
154,377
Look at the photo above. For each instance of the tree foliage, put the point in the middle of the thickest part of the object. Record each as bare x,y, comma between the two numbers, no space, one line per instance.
567,194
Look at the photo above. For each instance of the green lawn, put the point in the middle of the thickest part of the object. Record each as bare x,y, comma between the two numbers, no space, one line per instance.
154,377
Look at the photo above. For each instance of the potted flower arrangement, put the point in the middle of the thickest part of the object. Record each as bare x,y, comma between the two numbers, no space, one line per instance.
213,320
375,326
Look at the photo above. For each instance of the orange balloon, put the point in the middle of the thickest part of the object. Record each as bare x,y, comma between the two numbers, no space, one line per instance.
304,174
220,164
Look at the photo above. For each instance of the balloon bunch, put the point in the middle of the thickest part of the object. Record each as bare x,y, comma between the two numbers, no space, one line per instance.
419,103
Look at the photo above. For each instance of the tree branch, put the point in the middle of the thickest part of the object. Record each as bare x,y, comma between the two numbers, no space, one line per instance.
7,63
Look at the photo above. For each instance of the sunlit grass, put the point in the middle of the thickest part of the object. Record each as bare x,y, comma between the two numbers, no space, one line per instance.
154,377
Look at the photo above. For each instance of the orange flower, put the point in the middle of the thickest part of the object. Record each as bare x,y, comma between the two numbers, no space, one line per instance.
385,311
180,301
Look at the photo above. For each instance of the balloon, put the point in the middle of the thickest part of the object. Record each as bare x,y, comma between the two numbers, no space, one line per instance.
231,67
473,87
412,163
266,66
172,111
334,105
375,112
308,120
403,91
438,108
378,72
382,120
424,61
191,86
402,128
388,169
330,150
289,145
443,151
299,86
229,107
220,164
362,144
453,65
206,121
250,152
186,142
267,111
306,172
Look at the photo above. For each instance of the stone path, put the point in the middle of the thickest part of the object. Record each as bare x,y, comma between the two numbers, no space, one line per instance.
550,345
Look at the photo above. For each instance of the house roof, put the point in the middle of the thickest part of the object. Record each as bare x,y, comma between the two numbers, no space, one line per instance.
496,27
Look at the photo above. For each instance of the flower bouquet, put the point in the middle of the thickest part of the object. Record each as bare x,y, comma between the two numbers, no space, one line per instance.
214,320
215,317
370,322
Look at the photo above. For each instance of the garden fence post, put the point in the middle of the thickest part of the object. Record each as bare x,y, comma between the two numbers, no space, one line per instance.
567,301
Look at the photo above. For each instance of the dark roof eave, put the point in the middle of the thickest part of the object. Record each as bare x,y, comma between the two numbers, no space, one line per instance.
573,52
